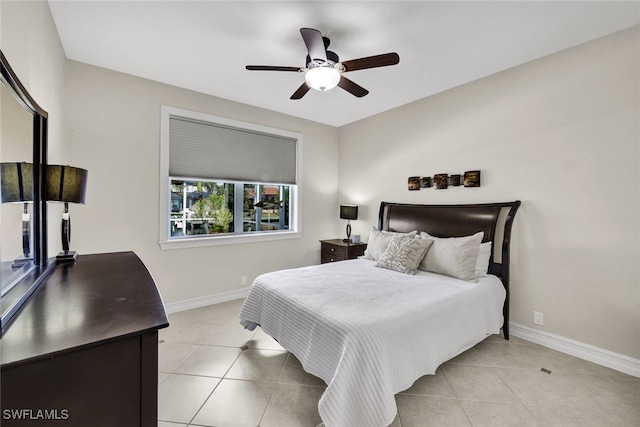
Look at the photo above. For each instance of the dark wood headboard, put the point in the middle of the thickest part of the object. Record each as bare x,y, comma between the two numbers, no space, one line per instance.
495,219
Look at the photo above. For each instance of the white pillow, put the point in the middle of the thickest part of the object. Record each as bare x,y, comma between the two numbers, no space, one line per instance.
453,256
378,241
482,263
404,254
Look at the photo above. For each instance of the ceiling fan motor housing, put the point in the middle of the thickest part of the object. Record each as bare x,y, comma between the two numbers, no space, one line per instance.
332,60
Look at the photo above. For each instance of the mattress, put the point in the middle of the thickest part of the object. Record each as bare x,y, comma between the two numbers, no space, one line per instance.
370,332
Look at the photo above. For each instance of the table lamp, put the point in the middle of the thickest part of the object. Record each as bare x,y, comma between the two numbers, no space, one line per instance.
348,212
17,187
66,184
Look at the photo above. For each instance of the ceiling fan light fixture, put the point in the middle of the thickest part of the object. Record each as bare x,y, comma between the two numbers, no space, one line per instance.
322,78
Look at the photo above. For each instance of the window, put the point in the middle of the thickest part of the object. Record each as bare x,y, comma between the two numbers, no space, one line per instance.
225,181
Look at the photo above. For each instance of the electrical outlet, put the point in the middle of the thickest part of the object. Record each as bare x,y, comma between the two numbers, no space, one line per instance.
538,318
243,280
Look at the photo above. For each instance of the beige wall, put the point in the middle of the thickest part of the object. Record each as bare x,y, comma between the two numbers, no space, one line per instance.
562,135
114,132
29,40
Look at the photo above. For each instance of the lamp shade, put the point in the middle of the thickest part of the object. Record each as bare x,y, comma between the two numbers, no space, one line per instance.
348,212
66,183
16,182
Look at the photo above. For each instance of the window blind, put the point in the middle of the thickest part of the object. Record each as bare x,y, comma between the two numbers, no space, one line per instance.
200,149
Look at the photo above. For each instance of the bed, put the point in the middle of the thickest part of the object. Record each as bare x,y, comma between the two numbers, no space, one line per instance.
370,332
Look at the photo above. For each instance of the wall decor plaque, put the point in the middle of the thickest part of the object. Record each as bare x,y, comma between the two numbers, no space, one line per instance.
413,183
440,181
425,182
472,179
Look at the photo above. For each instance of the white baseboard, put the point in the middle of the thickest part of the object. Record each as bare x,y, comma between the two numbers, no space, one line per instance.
191,303
603,357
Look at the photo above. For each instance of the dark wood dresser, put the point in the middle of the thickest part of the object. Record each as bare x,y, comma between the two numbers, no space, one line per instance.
83,351
336,250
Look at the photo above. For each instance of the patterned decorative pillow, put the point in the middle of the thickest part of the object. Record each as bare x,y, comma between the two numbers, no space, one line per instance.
453,256
404,254
378,242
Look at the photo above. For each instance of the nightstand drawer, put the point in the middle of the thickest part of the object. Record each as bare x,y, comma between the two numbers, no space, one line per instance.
337,250
330,253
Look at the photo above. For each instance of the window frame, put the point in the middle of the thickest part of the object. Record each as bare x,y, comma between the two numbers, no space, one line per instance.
165,240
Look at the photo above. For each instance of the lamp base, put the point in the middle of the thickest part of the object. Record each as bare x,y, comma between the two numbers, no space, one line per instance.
69,256
348,230
20,262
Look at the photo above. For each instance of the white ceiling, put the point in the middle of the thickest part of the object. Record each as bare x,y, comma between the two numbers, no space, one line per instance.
205,45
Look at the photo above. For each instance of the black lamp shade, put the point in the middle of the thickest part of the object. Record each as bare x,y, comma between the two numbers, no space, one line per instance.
16,182
348,212
66,184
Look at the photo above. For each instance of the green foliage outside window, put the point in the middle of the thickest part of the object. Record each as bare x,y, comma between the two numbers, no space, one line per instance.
213,210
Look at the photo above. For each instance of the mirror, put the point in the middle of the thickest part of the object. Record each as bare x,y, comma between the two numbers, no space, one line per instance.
23,148
16,137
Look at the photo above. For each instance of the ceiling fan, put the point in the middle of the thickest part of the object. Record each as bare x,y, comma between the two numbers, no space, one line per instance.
324,69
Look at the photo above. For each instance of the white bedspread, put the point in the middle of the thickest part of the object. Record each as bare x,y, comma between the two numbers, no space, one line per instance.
369,332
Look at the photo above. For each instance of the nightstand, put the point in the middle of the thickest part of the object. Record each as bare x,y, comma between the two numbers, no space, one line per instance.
336,250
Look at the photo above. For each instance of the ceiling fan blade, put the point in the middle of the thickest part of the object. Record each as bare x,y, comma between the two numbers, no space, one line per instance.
315,45
371,62
351,87
272,68
302,91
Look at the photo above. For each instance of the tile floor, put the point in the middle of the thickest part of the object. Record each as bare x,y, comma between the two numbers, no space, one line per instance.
214,373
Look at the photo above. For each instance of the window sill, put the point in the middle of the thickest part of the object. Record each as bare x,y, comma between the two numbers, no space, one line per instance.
231,239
